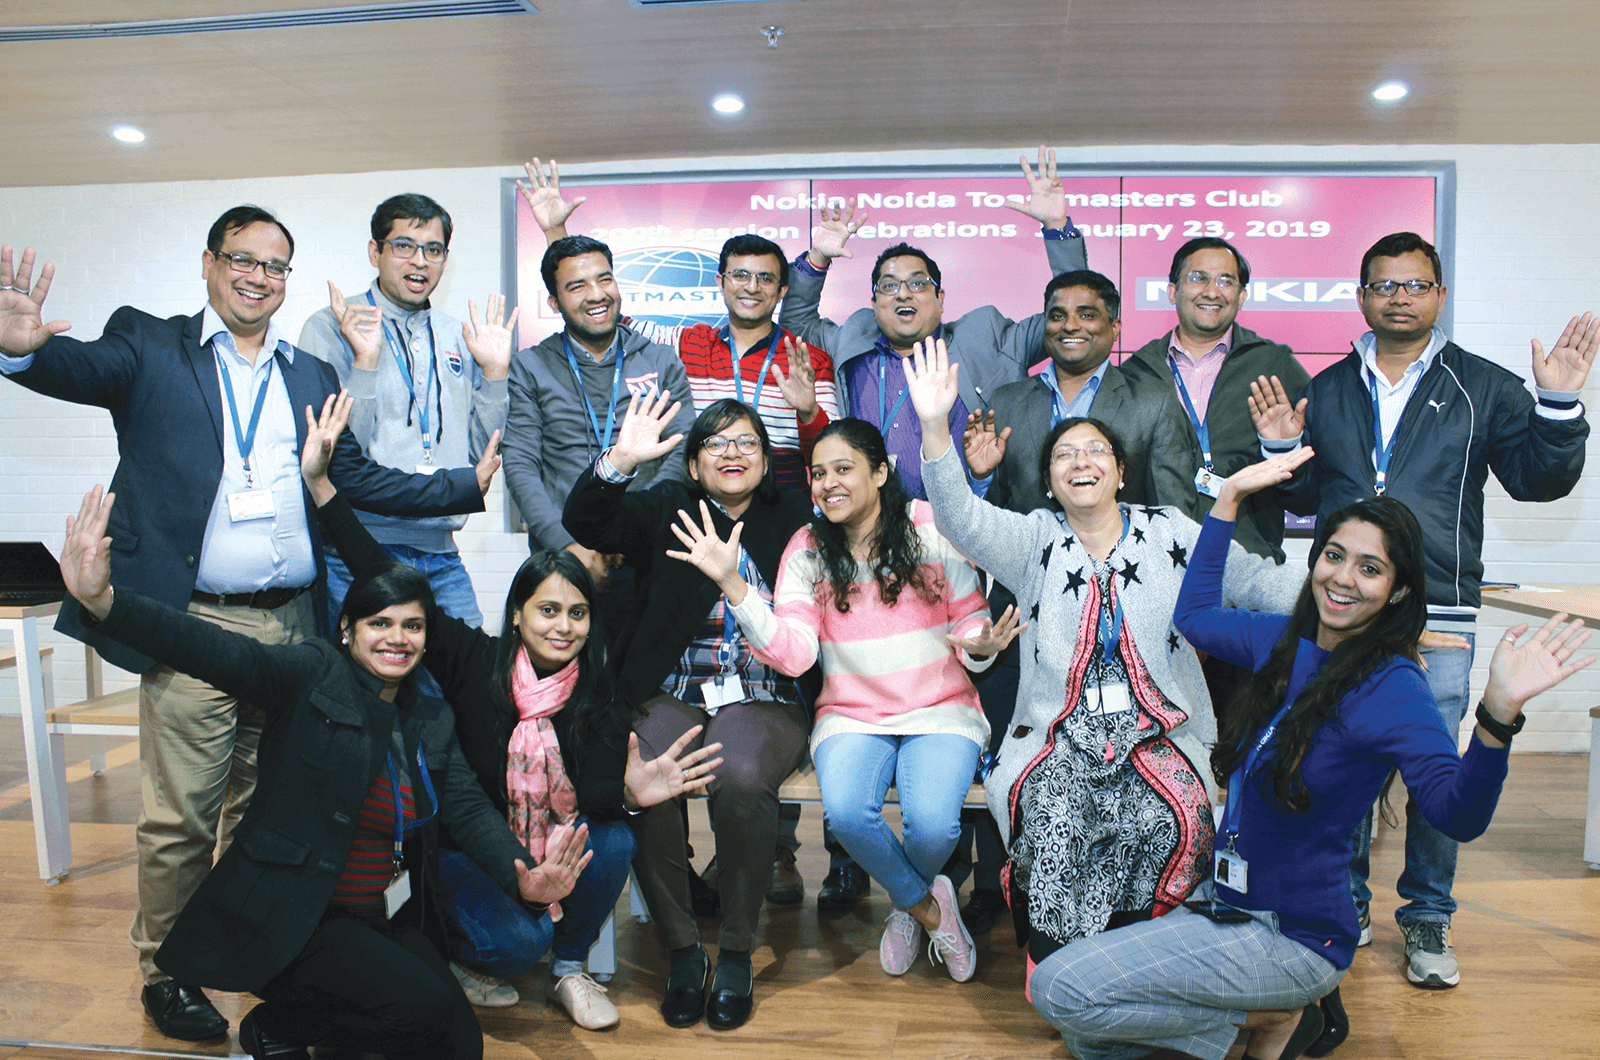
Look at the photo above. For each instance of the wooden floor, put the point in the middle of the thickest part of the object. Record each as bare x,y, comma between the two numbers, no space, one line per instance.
1528,935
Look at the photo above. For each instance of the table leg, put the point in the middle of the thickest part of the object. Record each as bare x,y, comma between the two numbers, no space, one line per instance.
1591,829
45,781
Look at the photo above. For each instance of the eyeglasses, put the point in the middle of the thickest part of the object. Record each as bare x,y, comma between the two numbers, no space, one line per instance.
1196,278
916,286
244,265
743,277
716,445
1387,288
1066,453
405,249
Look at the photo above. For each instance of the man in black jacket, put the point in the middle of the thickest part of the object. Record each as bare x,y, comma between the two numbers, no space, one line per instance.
1412,415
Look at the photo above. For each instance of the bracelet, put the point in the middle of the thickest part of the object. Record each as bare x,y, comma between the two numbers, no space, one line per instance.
1497,728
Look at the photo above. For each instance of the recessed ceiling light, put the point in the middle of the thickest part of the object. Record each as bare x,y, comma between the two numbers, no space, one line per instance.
1390,91
727,104
128,134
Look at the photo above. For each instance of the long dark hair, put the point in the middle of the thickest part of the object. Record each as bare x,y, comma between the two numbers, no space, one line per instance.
1393,632
718,415
896,557
593,702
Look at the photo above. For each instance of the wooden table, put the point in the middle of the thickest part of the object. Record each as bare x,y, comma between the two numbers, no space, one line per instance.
47,792
1579,601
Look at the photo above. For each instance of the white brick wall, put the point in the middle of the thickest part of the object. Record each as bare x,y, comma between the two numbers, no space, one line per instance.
1524,216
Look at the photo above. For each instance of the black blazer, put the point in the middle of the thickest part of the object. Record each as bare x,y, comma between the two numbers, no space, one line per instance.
161,388
326,733
461,659
674,597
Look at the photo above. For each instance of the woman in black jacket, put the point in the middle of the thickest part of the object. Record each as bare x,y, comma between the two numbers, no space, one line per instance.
685,665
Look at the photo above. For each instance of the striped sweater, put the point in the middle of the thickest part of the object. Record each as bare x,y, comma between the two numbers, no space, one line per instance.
884,669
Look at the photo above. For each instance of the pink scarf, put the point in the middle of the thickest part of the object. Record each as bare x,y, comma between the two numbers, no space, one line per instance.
539,793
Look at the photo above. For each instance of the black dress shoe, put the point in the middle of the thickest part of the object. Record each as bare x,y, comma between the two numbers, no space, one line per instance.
984,909
182,1012
685,1002
842,889
728,1009
1337,1027
261,1047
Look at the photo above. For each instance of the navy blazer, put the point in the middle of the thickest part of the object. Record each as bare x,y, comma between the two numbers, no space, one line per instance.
160,385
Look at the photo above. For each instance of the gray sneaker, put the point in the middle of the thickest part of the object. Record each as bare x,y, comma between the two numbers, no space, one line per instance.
1430,959
1364,920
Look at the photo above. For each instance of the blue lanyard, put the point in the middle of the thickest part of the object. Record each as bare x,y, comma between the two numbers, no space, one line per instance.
1380,451
1111,628
729,623
400,827
766,365
395,350
1200,430
616,389
245,438
1236,782
887,417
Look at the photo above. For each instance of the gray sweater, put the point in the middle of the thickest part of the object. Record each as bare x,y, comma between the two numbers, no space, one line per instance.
549,440
464,408
1042,562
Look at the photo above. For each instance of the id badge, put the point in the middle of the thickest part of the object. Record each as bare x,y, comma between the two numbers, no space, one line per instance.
722,690
1233,871
1208,482
396,894
427,469
1113,699
247,505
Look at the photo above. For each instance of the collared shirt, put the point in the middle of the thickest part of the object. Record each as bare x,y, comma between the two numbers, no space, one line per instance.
1199,375
1392,397
902,435
1060,408
256,553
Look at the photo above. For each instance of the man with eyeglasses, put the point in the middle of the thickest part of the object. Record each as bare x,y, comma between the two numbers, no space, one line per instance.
908,306
211,517
1409,414
428,391
1209,361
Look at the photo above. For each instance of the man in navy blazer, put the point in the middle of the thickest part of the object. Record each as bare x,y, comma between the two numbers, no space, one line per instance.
212,518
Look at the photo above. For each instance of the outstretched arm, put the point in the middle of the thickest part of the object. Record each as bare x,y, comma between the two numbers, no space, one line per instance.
22,326
543,194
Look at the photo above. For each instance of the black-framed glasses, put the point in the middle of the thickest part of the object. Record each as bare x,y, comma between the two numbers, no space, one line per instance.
1387,288
716,445
1196,278
916,286
406,249
245,264
744,277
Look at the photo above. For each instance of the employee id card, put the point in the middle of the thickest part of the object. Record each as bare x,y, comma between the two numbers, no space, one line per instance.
721,690
247,505
1232,870
1108,698
396,894
1208,482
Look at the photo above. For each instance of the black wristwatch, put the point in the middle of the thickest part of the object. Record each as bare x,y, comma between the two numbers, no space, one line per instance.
1499,729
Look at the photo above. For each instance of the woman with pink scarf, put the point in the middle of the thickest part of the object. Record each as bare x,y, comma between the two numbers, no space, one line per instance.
539,723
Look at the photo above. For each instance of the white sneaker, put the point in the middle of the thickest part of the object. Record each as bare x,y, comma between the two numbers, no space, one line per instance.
1364,921
485,991
952,943
897,950
584,1000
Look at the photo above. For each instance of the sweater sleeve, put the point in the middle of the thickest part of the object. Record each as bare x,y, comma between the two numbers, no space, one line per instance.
786,636
1243,638
1006,544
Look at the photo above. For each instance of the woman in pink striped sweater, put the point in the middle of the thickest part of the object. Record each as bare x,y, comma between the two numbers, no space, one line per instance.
895,614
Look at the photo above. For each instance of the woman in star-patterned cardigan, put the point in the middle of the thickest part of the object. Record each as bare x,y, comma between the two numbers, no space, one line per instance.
1101,789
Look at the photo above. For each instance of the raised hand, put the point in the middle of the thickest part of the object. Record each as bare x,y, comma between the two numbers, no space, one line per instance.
1256,477
833,231
639,438
932,383
1275,417
799,383
22,326
1567,366
86,554
1047,201
993,637
488,463
667,777
715,558
983,447
543,193
361,326
489,337
1517,673
322,433
564,861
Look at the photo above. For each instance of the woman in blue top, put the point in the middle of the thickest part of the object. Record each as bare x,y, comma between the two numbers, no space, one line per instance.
1338,701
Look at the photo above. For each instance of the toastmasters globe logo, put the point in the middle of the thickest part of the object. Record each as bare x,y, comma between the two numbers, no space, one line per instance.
675,286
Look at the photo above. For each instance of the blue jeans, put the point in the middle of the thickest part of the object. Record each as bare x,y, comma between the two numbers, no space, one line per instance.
1430,871
447,577
933,773
497,935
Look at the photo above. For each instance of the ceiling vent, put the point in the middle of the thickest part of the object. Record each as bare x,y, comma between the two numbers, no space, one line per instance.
317,16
